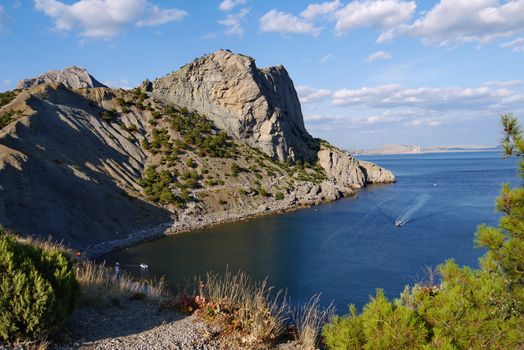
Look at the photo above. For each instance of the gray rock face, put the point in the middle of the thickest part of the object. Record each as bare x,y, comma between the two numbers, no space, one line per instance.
349,172
72,78
258,106
374,173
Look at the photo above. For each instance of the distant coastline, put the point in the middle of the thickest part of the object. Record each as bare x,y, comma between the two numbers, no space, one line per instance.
411,149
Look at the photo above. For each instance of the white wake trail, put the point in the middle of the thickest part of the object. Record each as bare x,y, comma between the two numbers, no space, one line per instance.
417,204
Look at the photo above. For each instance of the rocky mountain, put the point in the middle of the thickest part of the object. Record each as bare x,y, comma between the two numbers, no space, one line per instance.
216,141
258,106
72,78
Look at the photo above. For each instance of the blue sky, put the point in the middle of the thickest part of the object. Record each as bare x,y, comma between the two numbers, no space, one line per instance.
368,72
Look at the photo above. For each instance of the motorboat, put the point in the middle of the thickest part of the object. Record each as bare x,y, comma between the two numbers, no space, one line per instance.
398,222
144,266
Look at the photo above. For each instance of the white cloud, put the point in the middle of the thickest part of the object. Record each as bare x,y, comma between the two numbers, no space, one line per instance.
423,122
308,94
508,83
517,45
412,107
7,82
160,16
382,14
452,98
281,22
228,5
105,18
233,22
314,11
321,117
379,55
452,22
326,58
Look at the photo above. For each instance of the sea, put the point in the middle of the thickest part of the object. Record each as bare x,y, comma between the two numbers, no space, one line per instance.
346,250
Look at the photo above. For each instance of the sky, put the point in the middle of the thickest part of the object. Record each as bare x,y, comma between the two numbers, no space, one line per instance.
368,72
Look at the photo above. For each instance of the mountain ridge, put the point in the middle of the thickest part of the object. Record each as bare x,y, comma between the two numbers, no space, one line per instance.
101,168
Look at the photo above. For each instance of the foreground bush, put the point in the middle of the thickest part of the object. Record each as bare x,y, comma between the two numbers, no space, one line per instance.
470,308
38,289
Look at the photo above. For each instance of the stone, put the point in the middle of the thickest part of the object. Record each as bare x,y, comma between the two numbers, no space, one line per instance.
72,78
375,174
350,172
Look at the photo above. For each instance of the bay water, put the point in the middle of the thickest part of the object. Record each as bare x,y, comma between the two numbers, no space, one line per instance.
349,248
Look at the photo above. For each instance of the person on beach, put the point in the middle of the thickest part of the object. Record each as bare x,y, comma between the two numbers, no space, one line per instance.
117,270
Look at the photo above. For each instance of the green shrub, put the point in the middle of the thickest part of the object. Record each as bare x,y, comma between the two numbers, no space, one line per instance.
6,97
108,116
235,169
279,196
38,289
8,116
262,191
382,325
190,163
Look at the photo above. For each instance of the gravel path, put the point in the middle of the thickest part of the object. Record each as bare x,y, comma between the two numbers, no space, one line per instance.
139,325
135,325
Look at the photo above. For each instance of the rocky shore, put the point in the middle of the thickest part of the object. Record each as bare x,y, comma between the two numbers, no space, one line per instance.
190,222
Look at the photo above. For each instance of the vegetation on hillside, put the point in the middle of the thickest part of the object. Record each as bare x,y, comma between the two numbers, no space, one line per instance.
6,97
184,146
469,308
7,117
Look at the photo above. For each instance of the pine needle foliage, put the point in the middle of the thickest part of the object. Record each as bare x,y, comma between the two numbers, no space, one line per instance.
38,289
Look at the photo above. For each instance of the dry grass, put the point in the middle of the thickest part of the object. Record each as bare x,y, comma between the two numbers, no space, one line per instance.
100,286
253,307
309,320
42,344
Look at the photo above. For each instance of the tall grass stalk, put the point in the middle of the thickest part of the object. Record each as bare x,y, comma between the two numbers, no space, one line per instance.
100,286
260,310
309,320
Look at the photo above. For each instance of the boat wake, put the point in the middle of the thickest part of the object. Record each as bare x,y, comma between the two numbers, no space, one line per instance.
408,214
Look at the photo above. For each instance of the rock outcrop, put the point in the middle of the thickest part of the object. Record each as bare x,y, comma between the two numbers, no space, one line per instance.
258,106
72,78
375,174
347,171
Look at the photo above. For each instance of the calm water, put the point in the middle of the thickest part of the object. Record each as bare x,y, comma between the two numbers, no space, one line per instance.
349,248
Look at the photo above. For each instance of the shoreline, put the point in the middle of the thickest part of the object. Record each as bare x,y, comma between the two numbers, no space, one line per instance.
425,152
189,224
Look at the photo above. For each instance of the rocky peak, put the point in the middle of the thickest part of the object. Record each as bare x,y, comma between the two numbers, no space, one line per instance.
258,106
72,78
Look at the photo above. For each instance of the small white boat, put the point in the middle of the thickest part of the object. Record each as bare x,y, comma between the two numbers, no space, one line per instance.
144,266
398,222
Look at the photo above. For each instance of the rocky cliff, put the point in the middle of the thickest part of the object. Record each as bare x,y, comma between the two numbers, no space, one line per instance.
72,78
205,144
258,106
